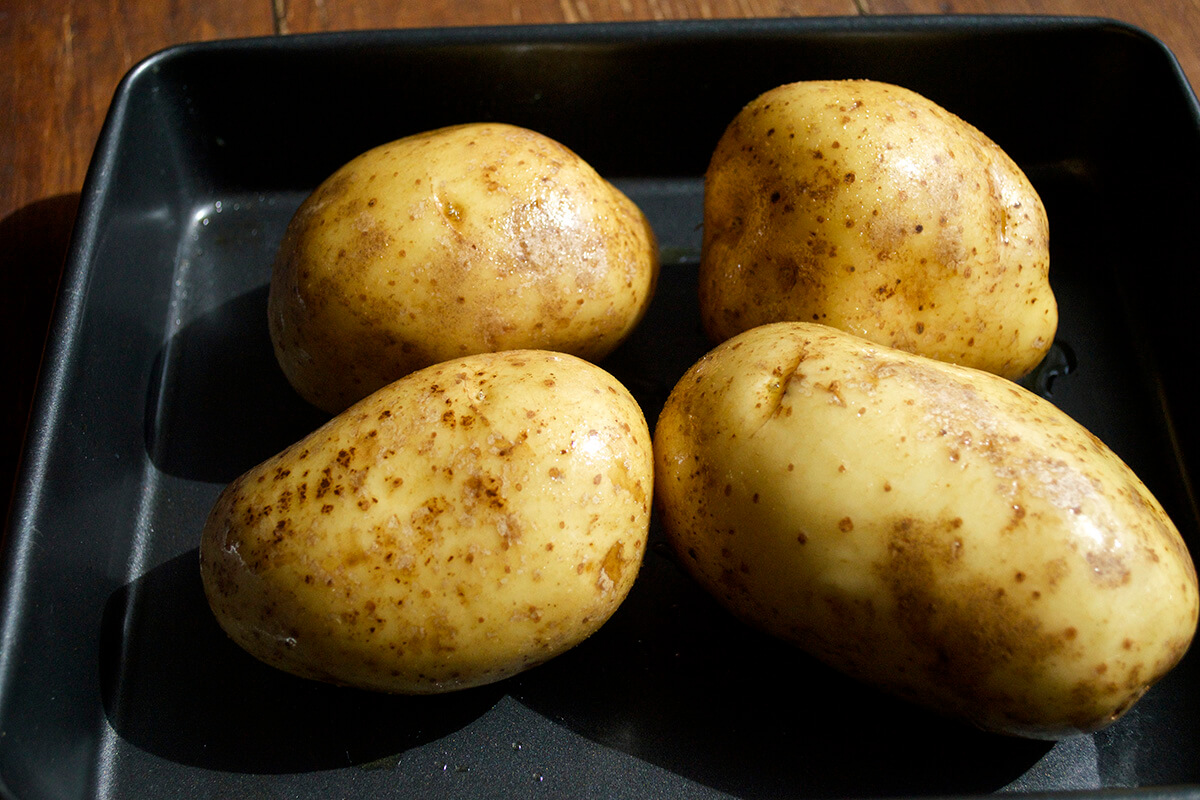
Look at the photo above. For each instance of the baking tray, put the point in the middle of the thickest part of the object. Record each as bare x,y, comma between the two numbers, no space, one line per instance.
160,386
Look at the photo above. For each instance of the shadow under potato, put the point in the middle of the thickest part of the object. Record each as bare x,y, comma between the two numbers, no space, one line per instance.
218,403
672,680
675,680
175,685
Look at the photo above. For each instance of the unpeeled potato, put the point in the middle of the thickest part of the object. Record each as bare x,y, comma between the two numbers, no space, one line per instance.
460,525
467,239
867,207
933,530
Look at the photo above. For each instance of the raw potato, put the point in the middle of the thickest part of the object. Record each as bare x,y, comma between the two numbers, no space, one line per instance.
867,207
469,239
933,530
461,525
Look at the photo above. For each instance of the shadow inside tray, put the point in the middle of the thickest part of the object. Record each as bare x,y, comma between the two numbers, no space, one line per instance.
675,681
218,402
174,685
671,680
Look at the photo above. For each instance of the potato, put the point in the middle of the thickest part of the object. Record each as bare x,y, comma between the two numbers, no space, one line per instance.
867,207
468,239
456,527
933,530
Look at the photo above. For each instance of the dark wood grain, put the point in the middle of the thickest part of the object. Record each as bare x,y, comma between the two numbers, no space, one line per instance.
317,15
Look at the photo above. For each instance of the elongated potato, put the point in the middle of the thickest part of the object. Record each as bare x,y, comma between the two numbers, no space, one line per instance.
456,527
865,206
933,530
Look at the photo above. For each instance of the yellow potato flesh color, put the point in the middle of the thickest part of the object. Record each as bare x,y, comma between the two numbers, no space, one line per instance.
867,207
458,526
933,530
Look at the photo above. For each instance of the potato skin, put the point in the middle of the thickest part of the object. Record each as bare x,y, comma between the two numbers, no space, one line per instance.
936,531
467,239
456,527
865,206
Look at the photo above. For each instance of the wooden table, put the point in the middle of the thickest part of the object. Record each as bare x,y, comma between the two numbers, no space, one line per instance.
65,59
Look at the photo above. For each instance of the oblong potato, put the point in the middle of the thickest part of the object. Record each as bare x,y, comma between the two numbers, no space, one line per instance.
865,206
467,239
456,527
933,530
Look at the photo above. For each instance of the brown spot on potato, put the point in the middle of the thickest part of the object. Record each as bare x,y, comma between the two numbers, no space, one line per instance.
962,626
611,567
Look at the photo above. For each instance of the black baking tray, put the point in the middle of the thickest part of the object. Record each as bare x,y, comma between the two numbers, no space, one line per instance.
159,386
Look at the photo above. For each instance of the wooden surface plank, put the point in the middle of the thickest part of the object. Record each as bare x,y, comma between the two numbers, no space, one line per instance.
306,16
66,59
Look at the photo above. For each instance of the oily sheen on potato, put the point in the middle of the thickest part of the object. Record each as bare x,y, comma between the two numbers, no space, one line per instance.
467,239
454,528
933,530
867,207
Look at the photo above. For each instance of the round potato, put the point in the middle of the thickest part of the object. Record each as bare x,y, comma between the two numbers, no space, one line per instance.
454,528
869,208
468,239
933,530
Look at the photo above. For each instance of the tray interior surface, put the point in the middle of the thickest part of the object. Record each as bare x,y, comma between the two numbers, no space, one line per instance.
114,675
